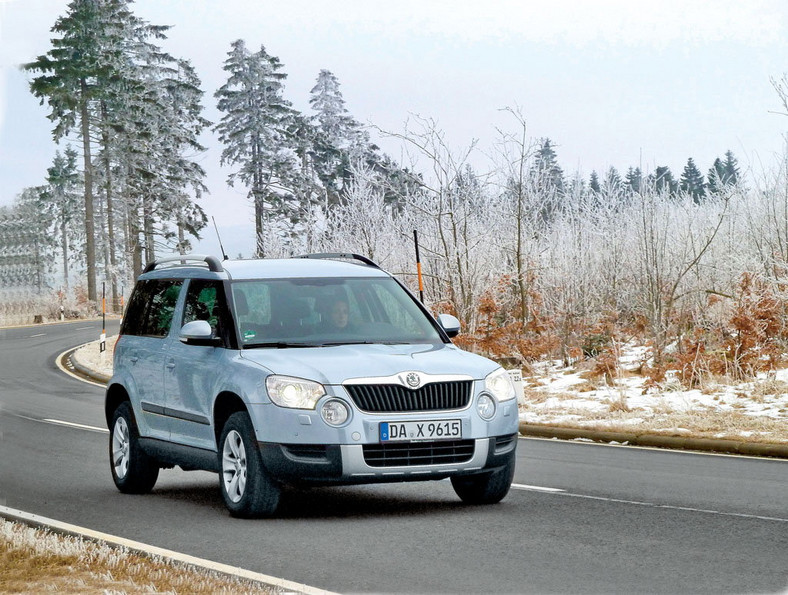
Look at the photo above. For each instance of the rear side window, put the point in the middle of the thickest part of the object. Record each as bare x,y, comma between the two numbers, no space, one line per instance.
151,308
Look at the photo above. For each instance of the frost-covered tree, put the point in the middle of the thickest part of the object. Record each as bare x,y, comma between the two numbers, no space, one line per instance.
715,176
256,133
662,180
731,169
612,181
633,180
107,80
337,127
593,182
60,200
72,77
449,212
546,166
692,181
338,140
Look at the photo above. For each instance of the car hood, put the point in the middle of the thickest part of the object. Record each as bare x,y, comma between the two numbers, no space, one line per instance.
336,364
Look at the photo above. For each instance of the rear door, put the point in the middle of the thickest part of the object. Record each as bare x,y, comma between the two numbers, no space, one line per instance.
147,330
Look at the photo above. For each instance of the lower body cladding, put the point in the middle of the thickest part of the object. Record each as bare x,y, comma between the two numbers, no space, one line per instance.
316,464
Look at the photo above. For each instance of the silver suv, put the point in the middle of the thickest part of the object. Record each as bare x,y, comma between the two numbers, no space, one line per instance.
322,369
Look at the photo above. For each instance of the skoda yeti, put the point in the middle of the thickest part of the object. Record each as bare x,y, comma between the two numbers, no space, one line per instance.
315,370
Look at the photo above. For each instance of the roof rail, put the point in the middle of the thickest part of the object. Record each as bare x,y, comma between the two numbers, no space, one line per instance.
213,263
342,255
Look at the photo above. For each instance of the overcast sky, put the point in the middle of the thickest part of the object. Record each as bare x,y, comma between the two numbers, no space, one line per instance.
621,83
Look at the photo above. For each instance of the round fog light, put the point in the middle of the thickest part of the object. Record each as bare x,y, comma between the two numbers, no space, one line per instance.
334,412
485,405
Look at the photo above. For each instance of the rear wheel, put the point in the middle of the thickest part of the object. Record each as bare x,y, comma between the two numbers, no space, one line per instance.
247,489
484,488
133,471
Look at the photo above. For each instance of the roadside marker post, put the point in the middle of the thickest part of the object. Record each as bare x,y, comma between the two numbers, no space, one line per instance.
103,337
418,266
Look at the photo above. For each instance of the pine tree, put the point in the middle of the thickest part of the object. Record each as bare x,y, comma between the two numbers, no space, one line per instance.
692,182
339,139
663,181
731,169
613,182
60,201
715,177
634,179
593,183
546,166
256,131
72,78
137,109
723,173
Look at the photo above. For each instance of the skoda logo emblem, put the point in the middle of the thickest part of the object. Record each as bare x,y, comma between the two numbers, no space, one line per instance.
413,379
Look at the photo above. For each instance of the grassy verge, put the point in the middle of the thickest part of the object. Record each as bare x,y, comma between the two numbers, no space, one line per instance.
38,561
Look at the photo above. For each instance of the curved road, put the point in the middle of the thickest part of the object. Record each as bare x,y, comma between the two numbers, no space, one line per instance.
582,517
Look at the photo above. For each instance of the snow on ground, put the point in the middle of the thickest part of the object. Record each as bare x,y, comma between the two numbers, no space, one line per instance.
574,397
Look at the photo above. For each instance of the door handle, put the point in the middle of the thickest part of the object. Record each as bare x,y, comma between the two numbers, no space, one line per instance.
170,365
133,359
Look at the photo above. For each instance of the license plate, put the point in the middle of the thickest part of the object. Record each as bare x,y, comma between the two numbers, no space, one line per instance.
445,429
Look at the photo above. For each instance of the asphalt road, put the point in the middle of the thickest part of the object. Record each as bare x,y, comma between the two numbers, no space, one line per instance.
582,517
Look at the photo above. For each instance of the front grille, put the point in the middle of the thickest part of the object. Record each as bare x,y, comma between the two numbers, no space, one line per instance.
393,398
446,452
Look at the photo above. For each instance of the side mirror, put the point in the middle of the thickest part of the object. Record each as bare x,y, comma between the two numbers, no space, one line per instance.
198,332
450,324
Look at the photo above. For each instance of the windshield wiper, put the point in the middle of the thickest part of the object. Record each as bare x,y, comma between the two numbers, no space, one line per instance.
280,345
349,342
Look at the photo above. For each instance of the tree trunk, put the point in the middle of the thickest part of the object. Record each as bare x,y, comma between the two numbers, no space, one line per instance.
90,229
147,226
64,246
134,245
113,259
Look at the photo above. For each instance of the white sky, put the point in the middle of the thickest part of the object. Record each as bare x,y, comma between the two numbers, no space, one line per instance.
620,83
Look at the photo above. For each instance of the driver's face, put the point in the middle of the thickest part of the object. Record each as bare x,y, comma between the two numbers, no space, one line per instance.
339,314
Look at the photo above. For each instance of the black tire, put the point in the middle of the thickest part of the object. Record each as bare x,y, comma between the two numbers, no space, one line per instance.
247,489
133,471
484,488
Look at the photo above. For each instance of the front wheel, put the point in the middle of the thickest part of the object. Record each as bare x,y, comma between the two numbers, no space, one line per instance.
484,488
247,489
133,471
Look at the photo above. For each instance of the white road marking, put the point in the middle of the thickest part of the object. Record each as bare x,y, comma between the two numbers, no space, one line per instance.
559,492
522,486
69,424
83,328
38,335
65,370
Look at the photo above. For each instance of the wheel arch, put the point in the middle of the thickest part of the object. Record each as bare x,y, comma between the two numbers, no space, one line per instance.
116,394
225,405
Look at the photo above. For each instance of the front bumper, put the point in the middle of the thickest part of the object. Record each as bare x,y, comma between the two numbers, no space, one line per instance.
316,464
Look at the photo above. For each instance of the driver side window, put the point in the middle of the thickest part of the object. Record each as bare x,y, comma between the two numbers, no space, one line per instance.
205,301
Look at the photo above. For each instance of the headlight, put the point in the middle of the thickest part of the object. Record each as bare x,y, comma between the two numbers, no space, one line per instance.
295,393
500,385
334,412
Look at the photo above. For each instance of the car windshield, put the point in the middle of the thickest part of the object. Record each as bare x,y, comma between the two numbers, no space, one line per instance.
281,313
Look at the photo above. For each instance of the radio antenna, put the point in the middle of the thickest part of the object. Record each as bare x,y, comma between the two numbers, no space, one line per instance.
224,254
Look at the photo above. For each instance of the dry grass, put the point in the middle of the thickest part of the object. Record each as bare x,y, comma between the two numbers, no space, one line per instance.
38,561
618,404
731,425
